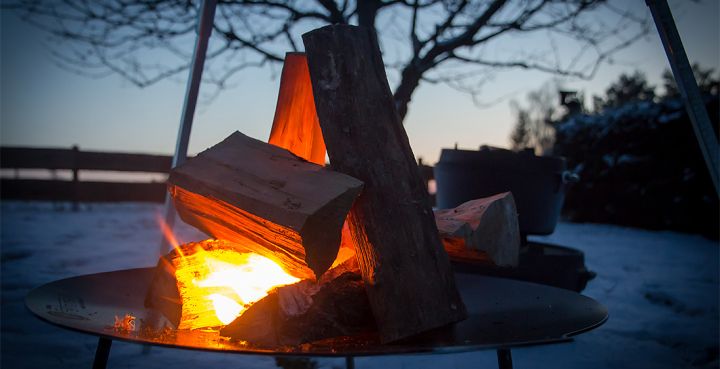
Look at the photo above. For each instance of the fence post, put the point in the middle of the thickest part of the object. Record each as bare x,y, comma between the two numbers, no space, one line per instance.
75,178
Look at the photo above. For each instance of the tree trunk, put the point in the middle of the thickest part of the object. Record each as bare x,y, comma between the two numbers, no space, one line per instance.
410,79
409,280
367,11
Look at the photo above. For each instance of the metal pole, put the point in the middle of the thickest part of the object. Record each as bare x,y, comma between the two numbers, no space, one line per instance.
102,353
206,17
504,358
687,85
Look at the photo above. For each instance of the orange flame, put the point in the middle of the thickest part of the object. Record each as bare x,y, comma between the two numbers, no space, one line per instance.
218,283
169,235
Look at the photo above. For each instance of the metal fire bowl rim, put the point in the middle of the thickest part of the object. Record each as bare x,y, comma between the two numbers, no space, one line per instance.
503,313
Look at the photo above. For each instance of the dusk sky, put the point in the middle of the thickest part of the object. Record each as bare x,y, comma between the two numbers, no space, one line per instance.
46,106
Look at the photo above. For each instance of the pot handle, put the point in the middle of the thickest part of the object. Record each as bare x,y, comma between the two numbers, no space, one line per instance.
569,177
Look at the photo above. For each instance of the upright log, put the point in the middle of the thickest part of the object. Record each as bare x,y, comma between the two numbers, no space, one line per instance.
266,200
296,126
407,273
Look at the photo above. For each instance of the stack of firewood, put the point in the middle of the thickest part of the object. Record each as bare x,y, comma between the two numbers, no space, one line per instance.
277,199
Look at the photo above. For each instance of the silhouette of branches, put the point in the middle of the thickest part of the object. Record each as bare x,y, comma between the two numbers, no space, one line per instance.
458,43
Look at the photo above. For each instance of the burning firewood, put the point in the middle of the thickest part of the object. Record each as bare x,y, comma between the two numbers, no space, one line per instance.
306,312
481,229
389,276
484,231
266,200
407,274
126,324
296,126
208,284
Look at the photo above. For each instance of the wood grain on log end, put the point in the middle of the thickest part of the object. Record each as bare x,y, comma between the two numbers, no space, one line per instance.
267,199
489,225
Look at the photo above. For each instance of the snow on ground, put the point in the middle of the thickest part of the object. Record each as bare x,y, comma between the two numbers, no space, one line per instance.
661,289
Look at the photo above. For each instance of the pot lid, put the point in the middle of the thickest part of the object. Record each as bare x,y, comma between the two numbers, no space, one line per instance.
503,158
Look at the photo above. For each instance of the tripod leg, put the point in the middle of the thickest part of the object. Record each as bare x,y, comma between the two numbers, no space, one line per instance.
102,353
504,358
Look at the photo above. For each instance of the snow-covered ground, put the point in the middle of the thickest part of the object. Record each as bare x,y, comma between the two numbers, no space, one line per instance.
661,289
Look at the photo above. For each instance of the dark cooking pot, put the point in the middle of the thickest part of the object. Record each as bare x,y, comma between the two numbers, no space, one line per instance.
536,182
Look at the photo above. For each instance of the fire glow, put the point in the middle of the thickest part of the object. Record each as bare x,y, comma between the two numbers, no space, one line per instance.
217,285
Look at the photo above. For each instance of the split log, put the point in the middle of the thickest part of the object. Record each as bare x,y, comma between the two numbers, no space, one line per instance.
407,274
306,312
266,200
175,296
296,126
481,229
163,294
465,247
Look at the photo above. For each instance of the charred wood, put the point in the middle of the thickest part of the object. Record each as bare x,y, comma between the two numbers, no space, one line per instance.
306,312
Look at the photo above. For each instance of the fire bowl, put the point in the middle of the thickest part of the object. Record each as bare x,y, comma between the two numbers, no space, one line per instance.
502,313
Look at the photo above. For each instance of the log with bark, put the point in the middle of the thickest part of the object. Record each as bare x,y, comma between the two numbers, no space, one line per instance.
482,230
407,274
297,129
266,200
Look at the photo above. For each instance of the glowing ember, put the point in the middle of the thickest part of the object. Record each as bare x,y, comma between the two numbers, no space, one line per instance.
125,324
217,283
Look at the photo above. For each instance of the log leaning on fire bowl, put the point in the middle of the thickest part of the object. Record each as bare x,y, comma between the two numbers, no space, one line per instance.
266,200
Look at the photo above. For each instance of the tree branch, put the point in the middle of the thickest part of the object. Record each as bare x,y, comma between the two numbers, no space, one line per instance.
130,38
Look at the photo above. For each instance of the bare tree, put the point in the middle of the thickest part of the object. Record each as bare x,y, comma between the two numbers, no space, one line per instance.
459,43
534,125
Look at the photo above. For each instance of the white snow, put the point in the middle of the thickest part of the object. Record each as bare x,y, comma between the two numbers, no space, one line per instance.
661,289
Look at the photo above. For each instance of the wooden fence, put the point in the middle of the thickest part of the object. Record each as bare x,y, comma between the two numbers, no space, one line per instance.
75,190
